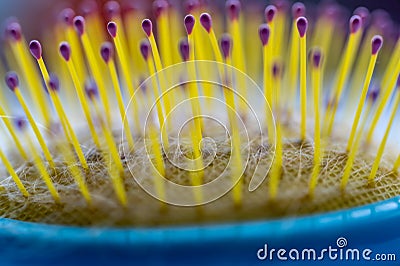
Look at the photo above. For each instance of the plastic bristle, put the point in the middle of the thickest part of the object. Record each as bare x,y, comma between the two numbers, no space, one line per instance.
12,80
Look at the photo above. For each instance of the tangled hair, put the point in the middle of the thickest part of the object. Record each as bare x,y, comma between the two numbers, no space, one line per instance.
144,210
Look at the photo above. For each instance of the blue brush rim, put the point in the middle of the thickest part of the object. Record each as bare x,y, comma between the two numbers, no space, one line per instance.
375,226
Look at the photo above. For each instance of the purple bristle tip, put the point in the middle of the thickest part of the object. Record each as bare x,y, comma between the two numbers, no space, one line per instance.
398,81
89,7
233,7
206,21
226,45
107,51
112,9
302,25
264,32
276,69
65,51
191,5
36,49
145,49
189,22
364,14
79,24
147,26
159,6
316,58
376,44
14,31
54,82
20,123
298,10
12,80
112,29
91,89
270,12
184,49
282,5
374,94
355,23
67,16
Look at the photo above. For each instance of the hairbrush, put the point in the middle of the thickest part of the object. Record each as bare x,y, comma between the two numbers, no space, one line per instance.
243,131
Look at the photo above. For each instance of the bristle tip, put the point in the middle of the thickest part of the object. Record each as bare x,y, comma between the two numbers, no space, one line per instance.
189,23
206,21
112,29
264,33
12,80
36,49
302,25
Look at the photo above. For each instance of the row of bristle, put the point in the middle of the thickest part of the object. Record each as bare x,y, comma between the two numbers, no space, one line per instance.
126,69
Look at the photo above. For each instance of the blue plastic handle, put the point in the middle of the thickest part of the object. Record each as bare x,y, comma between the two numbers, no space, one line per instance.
374,226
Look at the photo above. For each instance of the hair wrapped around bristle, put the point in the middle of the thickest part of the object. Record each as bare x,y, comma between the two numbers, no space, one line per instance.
221,112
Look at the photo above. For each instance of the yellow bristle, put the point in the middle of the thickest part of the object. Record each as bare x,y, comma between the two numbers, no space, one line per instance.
238,59
197,127
65,52
133,19
281,31
145,50
316,78
107,53
13,134
117,181
323,33
114,164
148,28
39,164
207,24
13,83
388,83
267,67
270,14
20,53
253,58
163,26
203,51
52,87
344,71
354,149
302,24
122,55
377,40
236,167
11,171
114,14
264,34
190,24
79,23
75,172
111,145
67,15
276,170
95,25
293,59
363,58
371,178
159,171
